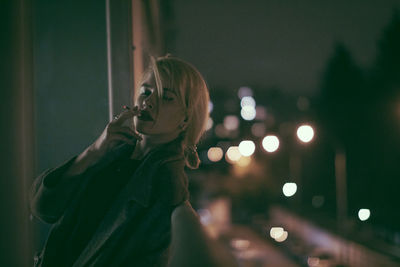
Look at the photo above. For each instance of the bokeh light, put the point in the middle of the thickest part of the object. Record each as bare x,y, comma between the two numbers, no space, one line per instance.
210,106
248,101
215,154
243,161
245,91
364,214
258,129
210,123
276,232
231,122
232,155
248,113
270,143
240,244
283,237
305,133
261,113
289,189
247,148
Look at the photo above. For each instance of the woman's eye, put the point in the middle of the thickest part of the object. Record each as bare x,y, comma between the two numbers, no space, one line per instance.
146,92
168,98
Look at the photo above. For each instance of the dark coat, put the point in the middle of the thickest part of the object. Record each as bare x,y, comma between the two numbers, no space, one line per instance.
136,229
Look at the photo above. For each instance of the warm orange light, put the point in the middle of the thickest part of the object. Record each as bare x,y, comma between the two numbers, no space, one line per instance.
233,155
215,154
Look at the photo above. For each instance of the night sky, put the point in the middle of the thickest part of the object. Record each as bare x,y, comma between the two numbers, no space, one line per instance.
283,44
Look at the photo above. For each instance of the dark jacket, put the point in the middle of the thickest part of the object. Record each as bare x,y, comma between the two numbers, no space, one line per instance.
135,230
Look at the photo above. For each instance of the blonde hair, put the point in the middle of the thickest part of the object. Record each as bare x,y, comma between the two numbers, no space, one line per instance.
193,94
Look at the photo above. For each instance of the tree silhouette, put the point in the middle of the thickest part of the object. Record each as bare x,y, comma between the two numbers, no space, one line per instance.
341,100
387,64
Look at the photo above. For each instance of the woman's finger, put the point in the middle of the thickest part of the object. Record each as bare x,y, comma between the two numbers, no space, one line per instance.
124,115
124,139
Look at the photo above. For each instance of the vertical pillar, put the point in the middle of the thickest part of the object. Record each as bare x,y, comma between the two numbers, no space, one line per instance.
17,135
119,55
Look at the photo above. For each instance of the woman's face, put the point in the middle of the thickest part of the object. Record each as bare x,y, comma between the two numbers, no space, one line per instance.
170,111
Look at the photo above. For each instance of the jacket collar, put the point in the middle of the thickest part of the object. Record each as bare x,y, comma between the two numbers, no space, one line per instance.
140,184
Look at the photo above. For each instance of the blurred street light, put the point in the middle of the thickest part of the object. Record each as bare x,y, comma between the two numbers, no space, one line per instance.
247,148
215,154
283,237
270,143
248,113
289,189
305,133
363,214
244,161
276,232
248,101
232,154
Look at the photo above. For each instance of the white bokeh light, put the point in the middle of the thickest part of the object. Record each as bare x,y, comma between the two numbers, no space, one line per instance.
289,189
248,101
270,143
305,133
276,232
248,113
247,148
232,155
283,237
363,214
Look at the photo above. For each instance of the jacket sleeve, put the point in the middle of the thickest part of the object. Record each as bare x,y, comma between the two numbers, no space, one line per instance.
51,192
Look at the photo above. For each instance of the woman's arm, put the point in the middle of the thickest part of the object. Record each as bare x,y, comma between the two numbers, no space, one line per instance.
53,189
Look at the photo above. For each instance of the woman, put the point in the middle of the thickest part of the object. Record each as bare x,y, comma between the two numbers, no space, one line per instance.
111,205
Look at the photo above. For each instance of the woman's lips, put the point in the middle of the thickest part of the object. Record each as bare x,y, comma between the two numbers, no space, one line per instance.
145,116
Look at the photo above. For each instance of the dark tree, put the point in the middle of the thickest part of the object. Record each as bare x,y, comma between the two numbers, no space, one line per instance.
342,91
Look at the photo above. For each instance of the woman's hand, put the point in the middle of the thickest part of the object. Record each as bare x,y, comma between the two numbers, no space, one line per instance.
115,133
